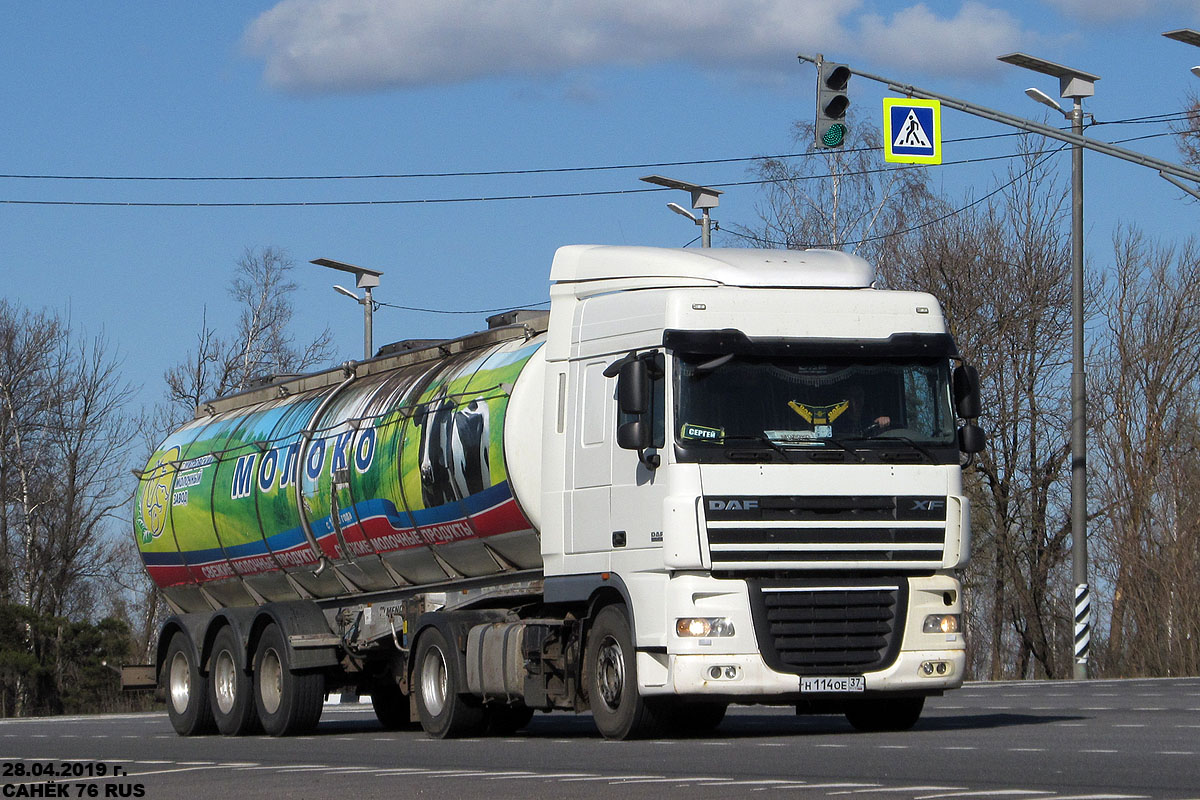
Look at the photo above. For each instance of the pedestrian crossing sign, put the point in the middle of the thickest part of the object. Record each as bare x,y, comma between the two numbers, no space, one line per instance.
912,130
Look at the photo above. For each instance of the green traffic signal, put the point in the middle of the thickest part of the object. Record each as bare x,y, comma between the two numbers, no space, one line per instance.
834,135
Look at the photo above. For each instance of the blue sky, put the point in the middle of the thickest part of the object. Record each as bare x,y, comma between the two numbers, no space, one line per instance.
354,87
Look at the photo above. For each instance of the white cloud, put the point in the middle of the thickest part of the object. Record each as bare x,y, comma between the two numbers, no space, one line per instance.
356,45
965,45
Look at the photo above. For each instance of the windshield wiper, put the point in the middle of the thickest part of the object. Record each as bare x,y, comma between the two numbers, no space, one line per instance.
920,448
761,439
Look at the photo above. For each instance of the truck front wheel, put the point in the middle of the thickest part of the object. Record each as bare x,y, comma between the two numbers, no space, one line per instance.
288,702
437,680
610,678
186,690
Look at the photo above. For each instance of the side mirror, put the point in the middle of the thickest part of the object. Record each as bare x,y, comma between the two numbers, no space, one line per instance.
633,388
966,391
971,439
635,435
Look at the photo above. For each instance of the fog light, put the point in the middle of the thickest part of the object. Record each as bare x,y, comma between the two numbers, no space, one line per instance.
699,627
728,672
941,623
940,669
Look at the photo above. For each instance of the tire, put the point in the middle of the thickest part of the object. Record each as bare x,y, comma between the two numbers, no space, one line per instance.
610,680
186,689
893,714
390,705
695,719
439,684
507,720
230,688
288,702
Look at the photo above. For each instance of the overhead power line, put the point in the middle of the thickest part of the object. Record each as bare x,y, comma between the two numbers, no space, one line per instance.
1149,119
467,199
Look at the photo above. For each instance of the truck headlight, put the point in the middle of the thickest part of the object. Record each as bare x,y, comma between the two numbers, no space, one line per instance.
941,623
700,627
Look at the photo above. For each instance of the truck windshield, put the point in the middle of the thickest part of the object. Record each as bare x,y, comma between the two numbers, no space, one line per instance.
812,403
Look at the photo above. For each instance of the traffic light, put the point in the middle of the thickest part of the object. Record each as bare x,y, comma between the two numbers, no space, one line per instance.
832,103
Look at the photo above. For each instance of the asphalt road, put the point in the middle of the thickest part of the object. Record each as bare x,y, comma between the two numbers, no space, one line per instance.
1099,740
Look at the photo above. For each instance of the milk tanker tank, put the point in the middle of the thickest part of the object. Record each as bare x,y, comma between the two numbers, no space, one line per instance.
398,472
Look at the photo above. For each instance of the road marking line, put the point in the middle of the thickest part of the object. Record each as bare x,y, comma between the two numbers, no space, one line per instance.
1026,749
1104,797
991,793
1176,753
603,778
1104,752
910,789
1128,725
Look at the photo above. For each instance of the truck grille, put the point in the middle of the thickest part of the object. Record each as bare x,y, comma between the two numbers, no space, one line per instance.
779,534
829,628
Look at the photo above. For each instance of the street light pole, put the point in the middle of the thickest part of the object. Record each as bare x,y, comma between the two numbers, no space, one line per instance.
1079,555
704,198
1076,85
365,279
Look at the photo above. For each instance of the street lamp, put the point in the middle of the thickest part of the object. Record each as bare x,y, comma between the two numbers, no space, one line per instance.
703,198
1187,36
365,279
1076,85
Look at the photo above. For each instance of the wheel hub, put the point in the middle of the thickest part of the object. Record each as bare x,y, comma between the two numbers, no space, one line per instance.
610,672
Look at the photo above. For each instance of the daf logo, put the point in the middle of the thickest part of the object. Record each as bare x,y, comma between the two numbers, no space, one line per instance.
732,505
928,505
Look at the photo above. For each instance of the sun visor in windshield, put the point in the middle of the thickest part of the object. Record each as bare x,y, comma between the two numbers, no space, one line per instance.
731,340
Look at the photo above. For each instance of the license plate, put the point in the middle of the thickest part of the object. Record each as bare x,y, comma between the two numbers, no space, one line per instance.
815,685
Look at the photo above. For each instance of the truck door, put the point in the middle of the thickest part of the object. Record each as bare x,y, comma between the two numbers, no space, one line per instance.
638,488
592,444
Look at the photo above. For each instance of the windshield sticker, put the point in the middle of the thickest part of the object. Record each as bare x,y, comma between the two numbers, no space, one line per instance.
702,434
819,415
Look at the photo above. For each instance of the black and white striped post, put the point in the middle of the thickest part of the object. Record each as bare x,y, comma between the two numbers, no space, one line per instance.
1083,625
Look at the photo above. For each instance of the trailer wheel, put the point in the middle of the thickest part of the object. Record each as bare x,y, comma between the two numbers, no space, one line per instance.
186,689
610,679
230,688
437,680
892,714
287,702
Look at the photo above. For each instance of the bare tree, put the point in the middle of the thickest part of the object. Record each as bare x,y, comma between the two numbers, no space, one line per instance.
840,198
261,344
1001,270
1187,130
63,449
1149,430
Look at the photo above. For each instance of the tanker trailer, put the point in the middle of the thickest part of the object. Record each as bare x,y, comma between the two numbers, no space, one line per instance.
704,478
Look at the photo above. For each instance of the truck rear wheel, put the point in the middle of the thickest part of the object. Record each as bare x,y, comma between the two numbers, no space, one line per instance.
186,689
287,702
610,678
230,688
890,714
438,682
